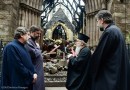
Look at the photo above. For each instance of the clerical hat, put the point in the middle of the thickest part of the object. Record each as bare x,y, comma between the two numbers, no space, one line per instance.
83,37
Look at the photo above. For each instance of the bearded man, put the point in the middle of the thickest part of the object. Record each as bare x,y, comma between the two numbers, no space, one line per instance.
36,56
78,64
109,62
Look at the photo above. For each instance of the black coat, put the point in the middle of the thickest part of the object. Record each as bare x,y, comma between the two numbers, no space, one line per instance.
77,68
110,64
17,68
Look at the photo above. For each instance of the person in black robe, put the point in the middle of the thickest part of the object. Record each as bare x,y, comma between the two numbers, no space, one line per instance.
36,56
110,64
78,63
18,72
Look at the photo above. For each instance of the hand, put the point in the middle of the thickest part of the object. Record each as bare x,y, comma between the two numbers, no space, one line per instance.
56,46
34,78
69,55
73,52
67,61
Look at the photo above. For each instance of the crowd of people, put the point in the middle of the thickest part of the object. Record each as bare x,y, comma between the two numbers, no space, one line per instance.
106,68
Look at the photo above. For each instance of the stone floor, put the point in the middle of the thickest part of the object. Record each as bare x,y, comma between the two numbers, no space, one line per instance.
55,88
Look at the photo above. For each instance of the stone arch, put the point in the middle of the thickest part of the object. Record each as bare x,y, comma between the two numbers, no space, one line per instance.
68,32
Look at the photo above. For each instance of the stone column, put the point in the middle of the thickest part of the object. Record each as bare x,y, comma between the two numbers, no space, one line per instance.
8,18
38,1
40,4
39,19
35,3
20,17
29,18
36,19
28,2
32,18
26,18
31,2
23,17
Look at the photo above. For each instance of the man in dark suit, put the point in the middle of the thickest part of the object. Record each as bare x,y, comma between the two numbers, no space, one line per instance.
17,69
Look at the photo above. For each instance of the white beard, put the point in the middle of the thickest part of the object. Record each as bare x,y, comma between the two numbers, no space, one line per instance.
77,50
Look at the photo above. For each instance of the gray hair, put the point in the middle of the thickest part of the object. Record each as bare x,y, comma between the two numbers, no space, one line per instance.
34,28
105,15
19,32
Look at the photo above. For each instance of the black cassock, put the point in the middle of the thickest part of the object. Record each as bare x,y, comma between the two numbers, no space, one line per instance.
17,68
37,60
110,64
77,68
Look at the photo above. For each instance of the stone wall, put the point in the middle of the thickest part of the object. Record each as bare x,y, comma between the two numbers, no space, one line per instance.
30,12
120,11
14,13
8,18
121,15
92,7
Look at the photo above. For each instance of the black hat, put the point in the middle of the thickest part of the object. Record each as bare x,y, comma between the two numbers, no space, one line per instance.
83,37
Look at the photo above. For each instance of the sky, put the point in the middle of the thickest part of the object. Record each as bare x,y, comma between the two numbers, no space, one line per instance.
64,9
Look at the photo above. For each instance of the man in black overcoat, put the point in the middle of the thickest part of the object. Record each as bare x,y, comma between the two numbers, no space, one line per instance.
110,64
78,63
